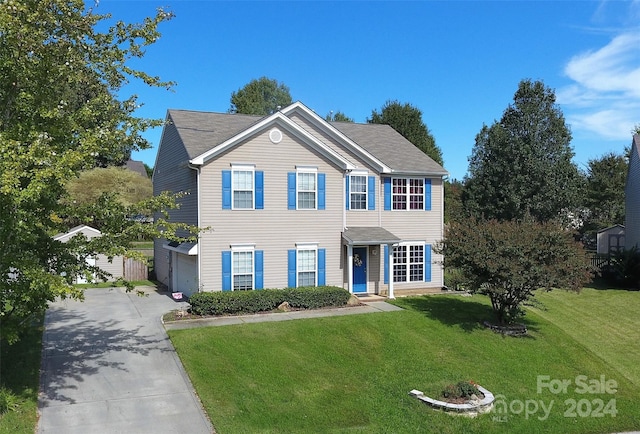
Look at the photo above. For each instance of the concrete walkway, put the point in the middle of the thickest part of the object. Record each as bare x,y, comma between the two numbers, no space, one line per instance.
368,307
109,367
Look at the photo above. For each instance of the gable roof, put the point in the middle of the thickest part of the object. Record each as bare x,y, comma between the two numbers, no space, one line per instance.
136,166
205,135
391,148
77,230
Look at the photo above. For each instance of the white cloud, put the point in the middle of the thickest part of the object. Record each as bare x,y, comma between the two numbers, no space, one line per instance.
605,96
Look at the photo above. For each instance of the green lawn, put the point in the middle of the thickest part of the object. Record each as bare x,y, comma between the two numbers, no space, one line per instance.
353,373
20,374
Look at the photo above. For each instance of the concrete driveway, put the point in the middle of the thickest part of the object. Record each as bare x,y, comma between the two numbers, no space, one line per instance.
109,367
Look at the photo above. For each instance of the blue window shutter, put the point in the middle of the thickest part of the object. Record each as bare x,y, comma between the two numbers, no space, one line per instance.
321,190
386,263
371,192
292,268
258,263
259,187
347,196
387,194
226,270
322,270
291,190
226,189
427,194
427,262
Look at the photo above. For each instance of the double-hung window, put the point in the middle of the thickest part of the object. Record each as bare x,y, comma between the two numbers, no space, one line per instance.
242,270
409,263
306,188
242,186
307,266
358,192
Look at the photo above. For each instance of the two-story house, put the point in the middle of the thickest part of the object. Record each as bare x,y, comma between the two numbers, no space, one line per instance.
292,200
632,197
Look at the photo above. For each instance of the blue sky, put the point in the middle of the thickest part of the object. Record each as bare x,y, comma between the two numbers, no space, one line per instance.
459,62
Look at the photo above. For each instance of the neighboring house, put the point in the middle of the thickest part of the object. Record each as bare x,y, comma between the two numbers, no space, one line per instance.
632,196
137,166
292,200
610,240
114,267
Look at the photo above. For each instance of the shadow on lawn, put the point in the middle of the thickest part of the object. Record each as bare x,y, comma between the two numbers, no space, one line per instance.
456,311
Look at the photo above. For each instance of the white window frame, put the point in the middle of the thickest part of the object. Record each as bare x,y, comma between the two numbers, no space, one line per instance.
237,249
407,193
306,171
306,248
364,175
408,263
237,168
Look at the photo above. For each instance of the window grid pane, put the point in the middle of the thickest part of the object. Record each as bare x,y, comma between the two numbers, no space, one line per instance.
400,264
306,267
242,189
399,193
306,190
242,271
416,193
408,263
416,260
358,187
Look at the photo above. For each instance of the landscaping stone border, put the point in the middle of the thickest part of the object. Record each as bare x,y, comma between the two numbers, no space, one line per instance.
470,408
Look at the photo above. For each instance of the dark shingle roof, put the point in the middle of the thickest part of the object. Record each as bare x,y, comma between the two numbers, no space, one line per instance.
137,166
390,147
202,131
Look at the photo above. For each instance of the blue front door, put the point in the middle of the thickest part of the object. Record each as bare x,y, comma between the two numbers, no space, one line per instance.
360,269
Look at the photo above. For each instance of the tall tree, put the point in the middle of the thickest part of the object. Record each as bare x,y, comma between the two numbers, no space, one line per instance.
407,120
262,96
337,117
604,199
522,164
453,209
60,112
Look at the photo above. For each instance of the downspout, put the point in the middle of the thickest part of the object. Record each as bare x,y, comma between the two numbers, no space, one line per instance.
199,220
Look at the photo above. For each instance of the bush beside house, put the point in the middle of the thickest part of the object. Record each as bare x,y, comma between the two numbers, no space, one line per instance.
243,302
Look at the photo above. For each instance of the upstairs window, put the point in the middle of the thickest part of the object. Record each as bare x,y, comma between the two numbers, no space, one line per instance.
358,192
407,194
306,189
242,189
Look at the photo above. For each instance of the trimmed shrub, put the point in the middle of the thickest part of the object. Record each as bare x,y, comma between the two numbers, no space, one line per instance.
241,302
462,389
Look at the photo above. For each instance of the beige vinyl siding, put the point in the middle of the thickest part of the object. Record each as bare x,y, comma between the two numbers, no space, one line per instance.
333,143
274,229
172,173
116,267
419,225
